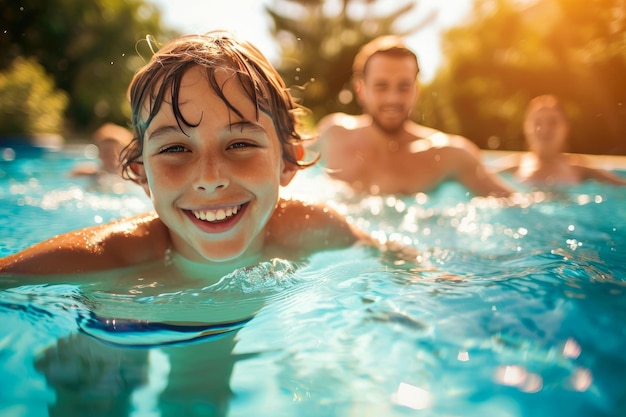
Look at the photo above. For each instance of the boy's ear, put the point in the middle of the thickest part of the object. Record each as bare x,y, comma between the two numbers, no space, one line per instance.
287,174
139,176
289,169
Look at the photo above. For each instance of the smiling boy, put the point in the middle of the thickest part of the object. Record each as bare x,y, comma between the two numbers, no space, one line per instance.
215,137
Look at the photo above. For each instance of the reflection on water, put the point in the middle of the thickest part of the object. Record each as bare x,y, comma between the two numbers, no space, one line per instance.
534,323
117,353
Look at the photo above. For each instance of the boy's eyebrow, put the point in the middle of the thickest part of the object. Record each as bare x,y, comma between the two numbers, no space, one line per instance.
163,130
247,125
242,125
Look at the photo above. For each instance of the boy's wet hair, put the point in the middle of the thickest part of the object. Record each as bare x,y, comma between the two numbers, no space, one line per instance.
389,45
158,83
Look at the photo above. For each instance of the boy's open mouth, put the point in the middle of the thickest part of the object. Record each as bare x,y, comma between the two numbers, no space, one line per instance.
218,215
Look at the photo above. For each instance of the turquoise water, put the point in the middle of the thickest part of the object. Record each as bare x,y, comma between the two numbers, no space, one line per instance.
533,322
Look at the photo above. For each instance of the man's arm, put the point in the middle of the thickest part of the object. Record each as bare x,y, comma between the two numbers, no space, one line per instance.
341,156
484,183
506,164
473,174
325,128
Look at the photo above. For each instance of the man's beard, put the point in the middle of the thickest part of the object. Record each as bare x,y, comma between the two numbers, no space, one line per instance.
386,127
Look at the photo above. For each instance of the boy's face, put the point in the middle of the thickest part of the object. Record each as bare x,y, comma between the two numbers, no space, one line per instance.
216,185
388,90
109,153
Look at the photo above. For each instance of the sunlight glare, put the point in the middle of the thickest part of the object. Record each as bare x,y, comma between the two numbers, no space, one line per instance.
411,396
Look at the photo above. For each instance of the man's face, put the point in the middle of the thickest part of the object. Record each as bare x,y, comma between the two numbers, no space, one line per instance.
388,90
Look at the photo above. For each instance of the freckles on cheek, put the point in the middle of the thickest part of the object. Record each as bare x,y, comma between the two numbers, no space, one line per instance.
260,166
154,174
163,178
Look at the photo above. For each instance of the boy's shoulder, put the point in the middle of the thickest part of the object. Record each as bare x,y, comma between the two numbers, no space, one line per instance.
305,214
142,235
310,227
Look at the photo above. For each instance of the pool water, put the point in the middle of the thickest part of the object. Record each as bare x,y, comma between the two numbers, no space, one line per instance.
525,315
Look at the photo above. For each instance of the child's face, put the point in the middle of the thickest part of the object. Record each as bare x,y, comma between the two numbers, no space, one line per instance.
546,131
108,152
216,186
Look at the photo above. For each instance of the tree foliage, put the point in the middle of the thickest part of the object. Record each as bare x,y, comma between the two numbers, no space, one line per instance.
320,38
88,47
510,51
29,103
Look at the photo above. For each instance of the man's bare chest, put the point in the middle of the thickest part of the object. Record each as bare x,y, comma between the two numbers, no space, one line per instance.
401,177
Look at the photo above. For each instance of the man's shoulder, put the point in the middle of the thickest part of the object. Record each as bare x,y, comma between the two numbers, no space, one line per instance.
341,121
441,139
456,144
428,138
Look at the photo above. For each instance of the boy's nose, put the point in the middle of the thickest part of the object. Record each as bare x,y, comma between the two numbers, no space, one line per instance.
210,176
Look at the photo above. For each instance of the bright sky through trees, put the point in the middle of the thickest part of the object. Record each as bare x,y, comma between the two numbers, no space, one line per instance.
247,19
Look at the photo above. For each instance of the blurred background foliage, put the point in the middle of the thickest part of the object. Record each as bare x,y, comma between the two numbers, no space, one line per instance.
30,101
504,53
510,51
87,47
318,44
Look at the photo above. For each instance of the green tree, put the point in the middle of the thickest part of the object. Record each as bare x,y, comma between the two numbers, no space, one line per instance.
320,38
510,51
89,48
29,102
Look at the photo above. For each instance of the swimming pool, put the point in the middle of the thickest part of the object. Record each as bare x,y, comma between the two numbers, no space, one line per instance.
533,325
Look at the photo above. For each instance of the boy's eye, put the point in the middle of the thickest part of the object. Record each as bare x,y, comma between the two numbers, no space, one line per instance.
172,149
240,145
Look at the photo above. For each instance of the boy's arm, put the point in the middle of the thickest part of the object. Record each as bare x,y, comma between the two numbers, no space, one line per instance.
58,255
113,245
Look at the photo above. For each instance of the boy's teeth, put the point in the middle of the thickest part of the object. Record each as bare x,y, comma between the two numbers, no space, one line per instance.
213,215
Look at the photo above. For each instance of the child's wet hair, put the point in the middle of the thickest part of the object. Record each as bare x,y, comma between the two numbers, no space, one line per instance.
159,81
